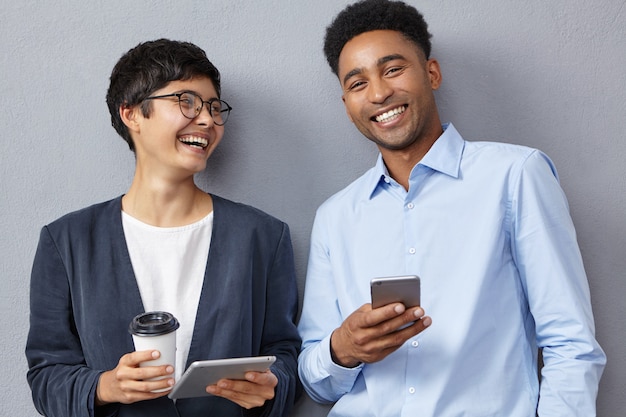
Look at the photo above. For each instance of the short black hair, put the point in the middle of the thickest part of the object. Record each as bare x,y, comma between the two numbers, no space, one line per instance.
150,66
368,15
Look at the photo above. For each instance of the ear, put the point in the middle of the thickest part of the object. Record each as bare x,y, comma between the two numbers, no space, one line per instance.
434,73
130,115
343,98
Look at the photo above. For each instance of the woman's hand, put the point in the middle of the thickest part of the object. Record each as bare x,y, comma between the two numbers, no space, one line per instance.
253,392
129,383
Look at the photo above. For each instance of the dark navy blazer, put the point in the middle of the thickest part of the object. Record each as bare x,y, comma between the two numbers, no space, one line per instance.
84,295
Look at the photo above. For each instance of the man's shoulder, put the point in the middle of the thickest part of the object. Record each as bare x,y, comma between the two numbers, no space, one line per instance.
358,190
501,149
506,160
485,147
502,155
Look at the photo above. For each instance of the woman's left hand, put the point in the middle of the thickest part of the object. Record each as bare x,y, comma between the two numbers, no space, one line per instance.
253,392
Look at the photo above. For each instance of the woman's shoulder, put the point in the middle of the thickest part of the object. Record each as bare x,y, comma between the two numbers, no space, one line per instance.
95,213
226,210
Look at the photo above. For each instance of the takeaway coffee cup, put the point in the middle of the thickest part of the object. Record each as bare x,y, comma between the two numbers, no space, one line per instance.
155,330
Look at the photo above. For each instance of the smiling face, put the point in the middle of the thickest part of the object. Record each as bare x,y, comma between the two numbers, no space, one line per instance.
388,91
166,141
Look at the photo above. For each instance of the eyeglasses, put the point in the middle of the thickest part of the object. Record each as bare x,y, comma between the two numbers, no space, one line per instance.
191,105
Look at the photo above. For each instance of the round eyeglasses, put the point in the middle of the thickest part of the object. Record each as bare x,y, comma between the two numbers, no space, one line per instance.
191,105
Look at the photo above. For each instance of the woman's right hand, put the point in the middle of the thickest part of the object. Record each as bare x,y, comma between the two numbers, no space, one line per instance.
129,383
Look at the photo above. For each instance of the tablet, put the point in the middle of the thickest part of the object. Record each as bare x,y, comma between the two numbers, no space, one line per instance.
194,381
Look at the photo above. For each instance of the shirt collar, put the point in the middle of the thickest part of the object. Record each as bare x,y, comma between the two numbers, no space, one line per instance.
444,156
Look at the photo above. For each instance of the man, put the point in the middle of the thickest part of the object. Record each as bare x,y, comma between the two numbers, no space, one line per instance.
485,225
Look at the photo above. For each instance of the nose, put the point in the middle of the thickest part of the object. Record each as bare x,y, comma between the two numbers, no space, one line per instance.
379,90
204,117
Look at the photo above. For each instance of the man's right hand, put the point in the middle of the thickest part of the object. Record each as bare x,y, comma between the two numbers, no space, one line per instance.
128,383
369,335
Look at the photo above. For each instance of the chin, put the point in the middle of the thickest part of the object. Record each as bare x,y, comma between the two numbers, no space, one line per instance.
392,146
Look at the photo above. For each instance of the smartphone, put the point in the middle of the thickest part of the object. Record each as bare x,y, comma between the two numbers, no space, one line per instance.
194,381
403,289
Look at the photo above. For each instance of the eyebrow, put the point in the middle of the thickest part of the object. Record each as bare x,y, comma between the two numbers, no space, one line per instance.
381,61
197,94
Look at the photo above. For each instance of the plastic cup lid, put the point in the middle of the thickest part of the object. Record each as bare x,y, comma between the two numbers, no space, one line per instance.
153,323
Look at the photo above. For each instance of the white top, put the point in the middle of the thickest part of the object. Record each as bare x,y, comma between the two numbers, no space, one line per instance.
169,265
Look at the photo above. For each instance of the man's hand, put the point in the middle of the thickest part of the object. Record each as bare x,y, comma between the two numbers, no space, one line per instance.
368,336
253,392
128,383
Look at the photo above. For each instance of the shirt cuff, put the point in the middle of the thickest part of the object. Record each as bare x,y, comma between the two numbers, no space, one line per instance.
337,371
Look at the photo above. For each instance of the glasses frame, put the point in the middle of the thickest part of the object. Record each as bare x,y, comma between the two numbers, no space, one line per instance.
203,102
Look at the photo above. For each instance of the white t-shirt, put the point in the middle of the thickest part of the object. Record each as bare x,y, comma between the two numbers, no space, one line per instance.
169,265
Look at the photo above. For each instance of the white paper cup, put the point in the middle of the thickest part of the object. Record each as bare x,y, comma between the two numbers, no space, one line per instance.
156,330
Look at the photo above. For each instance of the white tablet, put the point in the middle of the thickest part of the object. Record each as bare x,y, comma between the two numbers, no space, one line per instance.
194,381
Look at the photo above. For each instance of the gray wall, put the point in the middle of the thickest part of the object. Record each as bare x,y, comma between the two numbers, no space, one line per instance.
548,74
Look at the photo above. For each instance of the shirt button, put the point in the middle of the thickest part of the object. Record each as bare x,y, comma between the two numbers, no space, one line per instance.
412,251
415,343
410,205
412,390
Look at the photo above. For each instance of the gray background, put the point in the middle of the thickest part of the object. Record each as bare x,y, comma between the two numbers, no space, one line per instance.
547,74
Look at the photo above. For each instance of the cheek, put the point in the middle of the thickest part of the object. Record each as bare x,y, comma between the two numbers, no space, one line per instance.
352,109
168,128
177,121
219,134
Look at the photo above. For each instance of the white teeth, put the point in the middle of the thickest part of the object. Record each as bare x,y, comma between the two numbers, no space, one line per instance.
195,141
391,114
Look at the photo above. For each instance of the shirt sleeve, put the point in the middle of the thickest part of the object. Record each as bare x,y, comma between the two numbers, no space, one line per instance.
547,255
62,385
323,380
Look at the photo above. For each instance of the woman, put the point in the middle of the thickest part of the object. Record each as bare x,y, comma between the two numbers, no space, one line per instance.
223,269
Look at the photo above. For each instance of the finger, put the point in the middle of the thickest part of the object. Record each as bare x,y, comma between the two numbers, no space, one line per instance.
374,317
156,388
248,389
266,378
244,401
395,339
145,381
147,373
133,391
238,386
407,317
244,393
415,312
135,358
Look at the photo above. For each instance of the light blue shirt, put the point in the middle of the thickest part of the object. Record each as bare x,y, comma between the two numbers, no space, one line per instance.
487,228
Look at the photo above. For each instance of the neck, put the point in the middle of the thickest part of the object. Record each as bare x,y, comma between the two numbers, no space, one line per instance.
400,162
166,204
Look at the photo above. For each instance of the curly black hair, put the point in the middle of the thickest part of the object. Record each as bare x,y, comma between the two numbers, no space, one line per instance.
367,15
148,67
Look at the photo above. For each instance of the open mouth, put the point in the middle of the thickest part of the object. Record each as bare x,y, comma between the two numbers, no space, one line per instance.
194,141
389,115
